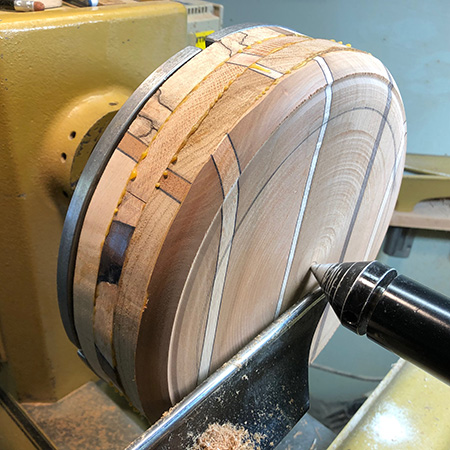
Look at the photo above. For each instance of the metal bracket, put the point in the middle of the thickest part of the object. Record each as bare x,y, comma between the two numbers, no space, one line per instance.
399,241
263,389
426,177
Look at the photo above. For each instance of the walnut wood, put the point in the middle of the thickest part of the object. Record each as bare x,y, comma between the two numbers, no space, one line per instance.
266,152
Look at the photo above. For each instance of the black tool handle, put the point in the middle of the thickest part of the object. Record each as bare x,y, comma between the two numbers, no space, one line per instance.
6,4
398,313
414,322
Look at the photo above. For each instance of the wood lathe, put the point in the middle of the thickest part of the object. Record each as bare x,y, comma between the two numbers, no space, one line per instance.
225,175
199,199
228,170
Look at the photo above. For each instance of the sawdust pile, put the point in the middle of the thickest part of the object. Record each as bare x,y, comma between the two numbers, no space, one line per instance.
226,437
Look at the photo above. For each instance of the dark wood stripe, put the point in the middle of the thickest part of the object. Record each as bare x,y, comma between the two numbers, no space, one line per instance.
364,185
132,146
178,175
113,252
126,154
235,154
297,148
170,195
368,171
137,137
304,199
110,371
217,264
218,174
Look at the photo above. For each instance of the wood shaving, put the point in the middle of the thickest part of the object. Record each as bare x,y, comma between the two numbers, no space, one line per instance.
225,437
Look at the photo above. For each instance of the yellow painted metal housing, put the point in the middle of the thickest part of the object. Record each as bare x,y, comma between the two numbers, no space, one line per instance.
409,410
63,74
426,177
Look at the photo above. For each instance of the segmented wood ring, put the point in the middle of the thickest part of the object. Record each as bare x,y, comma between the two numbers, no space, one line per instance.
264,153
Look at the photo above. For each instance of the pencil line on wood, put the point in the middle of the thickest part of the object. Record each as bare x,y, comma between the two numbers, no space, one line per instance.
137,197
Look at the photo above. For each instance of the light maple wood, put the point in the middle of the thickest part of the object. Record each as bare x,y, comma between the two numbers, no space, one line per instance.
266,152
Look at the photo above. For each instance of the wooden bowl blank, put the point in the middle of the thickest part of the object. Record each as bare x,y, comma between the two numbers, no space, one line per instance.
266,152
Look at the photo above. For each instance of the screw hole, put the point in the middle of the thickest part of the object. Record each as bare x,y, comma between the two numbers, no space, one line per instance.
72,135
63,157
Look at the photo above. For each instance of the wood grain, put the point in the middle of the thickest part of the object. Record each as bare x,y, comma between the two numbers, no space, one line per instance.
155,113
266,152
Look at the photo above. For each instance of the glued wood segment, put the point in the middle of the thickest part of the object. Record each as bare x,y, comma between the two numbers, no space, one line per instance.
108,192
